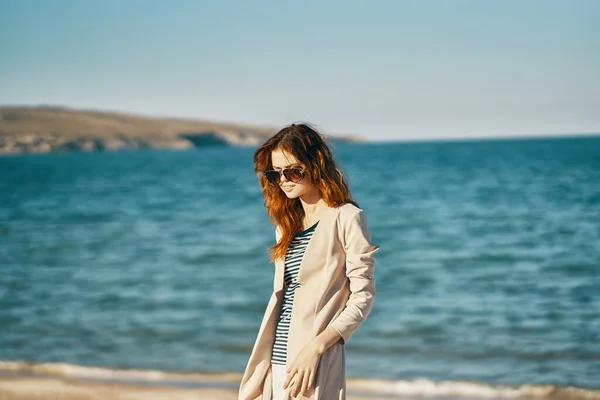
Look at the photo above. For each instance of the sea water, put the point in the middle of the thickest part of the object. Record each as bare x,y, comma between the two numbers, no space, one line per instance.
488,270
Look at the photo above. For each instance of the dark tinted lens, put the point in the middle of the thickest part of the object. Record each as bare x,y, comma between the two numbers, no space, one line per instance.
293,174
272,176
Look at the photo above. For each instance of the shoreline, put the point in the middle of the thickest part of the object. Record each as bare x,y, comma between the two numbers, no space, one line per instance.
40,387
20,380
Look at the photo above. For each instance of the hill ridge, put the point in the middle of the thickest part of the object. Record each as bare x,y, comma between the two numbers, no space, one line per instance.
50,128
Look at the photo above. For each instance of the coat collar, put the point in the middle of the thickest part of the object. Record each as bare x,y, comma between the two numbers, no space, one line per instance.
308,266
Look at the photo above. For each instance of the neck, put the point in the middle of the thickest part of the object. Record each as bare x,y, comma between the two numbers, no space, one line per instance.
313,207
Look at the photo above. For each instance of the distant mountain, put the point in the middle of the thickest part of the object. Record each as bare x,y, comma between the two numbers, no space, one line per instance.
48,129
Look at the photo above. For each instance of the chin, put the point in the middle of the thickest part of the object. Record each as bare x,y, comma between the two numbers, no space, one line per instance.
294,193
291,195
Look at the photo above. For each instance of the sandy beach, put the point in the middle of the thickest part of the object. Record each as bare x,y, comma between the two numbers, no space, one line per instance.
52,388
59,381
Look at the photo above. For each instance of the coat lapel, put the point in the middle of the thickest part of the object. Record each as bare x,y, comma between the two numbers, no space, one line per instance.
308,266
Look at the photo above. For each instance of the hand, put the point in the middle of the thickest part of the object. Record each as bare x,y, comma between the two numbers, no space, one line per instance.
304,369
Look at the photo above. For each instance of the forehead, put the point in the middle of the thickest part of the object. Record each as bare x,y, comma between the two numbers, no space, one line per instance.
283,159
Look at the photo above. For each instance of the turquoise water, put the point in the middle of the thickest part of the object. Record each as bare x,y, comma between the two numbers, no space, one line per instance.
488,269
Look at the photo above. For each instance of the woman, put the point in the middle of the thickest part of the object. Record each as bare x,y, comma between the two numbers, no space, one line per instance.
324,285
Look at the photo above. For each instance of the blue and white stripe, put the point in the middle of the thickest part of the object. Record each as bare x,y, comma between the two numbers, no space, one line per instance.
293,258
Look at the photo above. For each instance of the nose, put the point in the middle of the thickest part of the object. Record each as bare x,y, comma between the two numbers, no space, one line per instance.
282,177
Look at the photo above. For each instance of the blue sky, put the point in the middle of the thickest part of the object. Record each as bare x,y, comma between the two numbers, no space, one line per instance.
384,69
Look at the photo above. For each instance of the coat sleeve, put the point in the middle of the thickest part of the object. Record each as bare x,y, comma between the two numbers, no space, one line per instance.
360,268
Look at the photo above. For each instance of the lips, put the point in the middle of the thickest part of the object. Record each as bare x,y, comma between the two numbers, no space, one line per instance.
287,188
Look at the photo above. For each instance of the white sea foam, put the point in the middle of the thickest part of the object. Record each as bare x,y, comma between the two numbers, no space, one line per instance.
80,371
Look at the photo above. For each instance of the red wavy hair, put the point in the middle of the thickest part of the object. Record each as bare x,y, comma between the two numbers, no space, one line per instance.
310,148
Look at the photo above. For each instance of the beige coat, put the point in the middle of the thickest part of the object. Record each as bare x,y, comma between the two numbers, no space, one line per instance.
337,288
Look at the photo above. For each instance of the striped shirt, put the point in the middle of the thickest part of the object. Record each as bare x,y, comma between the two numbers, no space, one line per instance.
293,258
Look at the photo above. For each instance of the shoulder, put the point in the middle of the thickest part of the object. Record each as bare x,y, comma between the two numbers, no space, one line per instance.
351,217
349,211
353,227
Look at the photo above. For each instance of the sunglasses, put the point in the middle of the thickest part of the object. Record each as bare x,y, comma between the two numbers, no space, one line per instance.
294,174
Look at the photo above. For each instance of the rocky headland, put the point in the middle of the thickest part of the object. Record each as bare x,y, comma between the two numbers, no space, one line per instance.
54,129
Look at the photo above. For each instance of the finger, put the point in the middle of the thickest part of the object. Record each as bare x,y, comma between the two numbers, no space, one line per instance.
305,380
288,378
293,385
311,381
297,384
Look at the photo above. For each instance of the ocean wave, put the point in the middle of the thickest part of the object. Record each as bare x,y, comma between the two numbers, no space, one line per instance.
405,388
114,374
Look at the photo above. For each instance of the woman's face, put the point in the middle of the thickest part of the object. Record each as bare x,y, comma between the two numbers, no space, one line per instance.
281,159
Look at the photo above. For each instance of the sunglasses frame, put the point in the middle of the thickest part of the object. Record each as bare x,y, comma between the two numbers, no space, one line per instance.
283,172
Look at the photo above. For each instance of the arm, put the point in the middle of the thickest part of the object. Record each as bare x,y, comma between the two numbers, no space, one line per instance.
360,268
326,339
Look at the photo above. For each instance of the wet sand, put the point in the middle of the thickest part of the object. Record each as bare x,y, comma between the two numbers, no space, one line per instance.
52,388
21,380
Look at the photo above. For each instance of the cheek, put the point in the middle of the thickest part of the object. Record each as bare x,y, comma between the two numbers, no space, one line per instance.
301,189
